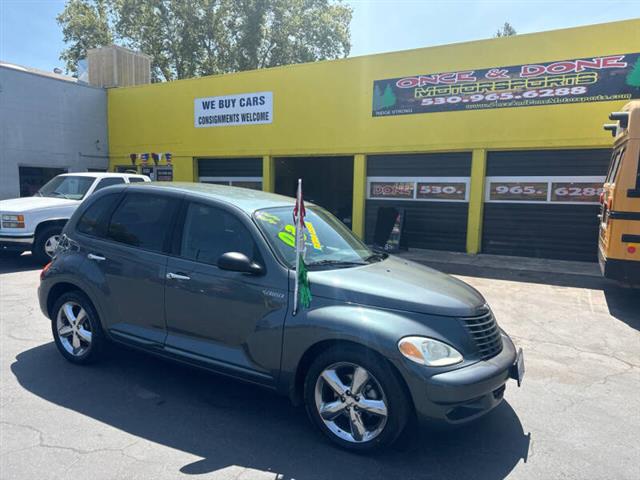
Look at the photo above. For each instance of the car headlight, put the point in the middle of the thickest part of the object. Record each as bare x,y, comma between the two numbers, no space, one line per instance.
13,221
429,352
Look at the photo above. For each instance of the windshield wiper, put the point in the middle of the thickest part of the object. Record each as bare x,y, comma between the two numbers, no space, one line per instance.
64,195
378,256
337,263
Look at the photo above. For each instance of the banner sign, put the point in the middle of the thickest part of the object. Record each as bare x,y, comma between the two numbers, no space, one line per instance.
544,189
594,79
391,190
442,190
585,192
530,191
435,189
231,110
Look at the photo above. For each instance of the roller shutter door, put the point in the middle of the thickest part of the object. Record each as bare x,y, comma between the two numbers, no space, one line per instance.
432,188
242,172
544,203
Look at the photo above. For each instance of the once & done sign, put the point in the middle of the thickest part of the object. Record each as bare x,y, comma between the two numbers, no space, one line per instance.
231,110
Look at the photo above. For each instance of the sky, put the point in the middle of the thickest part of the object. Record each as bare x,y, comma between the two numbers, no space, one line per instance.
30,36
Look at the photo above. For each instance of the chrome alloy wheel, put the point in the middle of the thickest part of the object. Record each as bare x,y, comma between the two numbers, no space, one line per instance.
51,245
74,329
351,402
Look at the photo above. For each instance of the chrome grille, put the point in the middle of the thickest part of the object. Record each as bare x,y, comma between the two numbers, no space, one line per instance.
485,333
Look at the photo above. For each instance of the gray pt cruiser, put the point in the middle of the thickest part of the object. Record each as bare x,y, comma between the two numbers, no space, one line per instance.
203,274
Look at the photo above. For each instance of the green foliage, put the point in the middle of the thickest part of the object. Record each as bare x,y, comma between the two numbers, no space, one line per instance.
187,38
85,25
506,31
633,78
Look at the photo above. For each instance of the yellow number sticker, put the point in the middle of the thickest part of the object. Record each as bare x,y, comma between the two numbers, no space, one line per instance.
314,236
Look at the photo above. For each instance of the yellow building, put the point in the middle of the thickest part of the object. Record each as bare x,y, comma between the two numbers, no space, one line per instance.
490,146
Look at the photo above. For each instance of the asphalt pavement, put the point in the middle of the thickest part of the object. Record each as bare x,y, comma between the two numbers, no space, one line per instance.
577,415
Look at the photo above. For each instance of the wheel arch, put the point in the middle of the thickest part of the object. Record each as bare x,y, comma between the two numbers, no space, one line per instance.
59,289
297,386
60,222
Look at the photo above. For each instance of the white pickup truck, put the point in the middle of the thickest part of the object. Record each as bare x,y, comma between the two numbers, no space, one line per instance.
34,223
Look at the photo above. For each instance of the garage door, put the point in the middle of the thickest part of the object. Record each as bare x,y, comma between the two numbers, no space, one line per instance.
433,190
238,172
544,203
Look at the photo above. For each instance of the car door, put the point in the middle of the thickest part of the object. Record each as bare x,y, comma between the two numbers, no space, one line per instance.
128,264
230,321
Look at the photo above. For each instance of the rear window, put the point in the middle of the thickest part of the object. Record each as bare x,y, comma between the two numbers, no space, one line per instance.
143,220
135,179
94,219
107,182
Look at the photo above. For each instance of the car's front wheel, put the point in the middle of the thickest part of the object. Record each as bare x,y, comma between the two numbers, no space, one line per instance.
76,328
353,396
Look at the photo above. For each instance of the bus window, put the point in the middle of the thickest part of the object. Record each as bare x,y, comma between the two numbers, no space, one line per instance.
616,160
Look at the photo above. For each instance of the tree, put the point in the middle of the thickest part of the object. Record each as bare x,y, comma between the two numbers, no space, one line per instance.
506,31
85,25
187,38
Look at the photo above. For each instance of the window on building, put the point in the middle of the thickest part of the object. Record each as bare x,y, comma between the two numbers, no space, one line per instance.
254,183
32,178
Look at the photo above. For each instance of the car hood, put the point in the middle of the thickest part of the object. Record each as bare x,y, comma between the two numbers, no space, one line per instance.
398,284
26,204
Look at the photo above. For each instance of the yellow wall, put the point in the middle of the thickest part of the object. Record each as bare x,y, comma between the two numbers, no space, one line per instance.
324,108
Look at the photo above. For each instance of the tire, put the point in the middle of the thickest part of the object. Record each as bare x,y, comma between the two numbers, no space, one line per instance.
85,343
42,245
382,385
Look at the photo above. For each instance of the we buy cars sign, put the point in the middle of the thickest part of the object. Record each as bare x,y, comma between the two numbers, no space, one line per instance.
232,110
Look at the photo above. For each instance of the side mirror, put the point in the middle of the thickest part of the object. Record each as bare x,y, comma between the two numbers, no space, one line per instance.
239,262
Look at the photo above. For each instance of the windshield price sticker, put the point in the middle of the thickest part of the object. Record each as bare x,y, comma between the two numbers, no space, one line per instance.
524,191
576,192
314,236
391,189
443,191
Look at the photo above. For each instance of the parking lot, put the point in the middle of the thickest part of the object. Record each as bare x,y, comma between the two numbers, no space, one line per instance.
577,414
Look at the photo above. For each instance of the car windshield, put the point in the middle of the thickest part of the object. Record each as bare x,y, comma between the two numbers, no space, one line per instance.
70,187
329,243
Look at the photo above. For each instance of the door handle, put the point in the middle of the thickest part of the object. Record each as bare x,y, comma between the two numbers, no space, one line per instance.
177,276
97,258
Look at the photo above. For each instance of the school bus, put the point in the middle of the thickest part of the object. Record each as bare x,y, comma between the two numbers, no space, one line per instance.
619,240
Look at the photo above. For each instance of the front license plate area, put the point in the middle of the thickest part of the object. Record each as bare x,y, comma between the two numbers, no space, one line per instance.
517,370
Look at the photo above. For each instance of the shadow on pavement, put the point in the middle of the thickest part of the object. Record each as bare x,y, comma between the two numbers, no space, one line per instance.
623,302
22,263
231,423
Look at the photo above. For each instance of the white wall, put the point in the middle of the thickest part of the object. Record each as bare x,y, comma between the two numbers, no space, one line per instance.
47,122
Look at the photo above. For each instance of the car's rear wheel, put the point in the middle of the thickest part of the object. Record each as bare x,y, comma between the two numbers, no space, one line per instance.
353,396
76,328
46,243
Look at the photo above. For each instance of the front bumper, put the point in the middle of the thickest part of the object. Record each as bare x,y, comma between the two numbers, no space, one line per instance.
462,395
16,242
